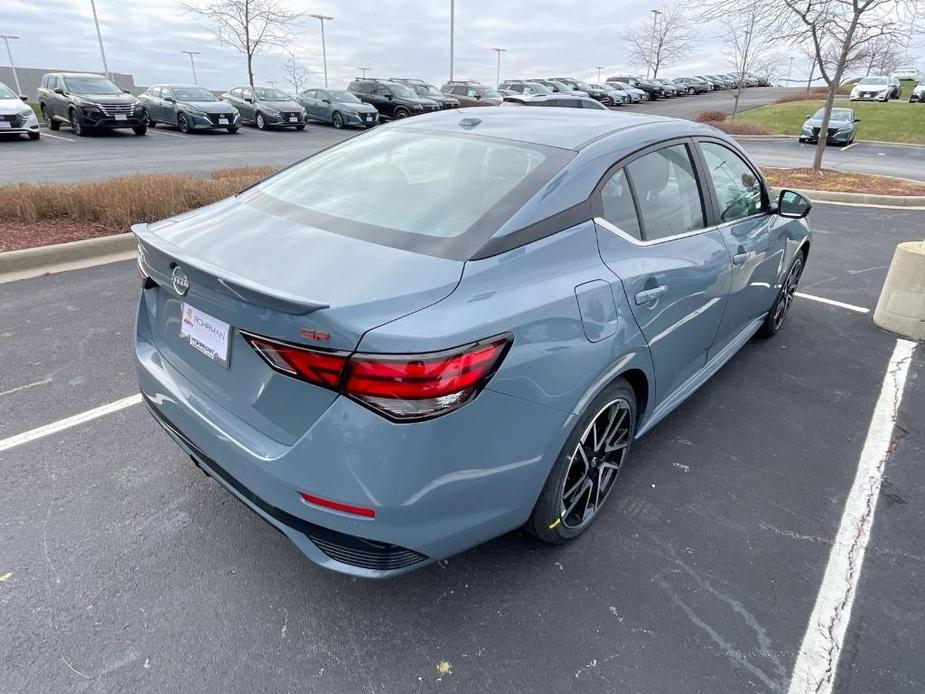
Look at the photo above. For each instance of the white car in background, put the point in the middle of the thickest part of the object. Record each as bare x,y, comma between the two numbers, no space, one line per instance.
16,116
906,72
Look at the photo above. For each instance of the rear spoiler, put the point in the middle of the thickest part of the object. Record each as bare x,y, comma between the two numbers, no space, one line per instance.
245,289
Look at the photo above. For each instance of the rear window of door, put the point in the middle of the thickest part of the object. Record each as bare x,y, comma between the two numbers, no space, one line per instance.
738,188
667,192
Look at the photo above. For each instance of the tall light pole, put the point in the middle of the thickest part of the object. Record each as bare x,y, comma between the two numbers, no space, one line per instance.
324,49
192,63
364,70
99,37
655,14
452,34
599,68
789,68
6,38
499,51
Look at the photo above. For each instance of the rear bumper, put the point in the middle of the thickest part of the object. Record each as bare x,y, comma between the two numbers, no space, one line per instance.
436,488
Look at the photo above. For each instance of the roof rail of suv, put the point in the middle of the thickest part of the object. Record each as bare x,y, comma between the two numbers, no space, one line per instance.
463,82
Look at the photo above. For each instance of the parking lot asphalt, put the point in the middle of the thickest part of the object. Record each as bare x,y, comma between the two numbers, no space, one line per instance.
125,569
905,161
63,157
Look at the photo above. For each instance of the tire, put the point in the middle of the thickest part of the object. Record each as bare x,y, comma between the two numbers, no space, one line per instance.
261,122
401,113
781,306
300,127
183,124
578,475
77,124
691,91
337,120
232,129
140,130
52,123
34,136
150,122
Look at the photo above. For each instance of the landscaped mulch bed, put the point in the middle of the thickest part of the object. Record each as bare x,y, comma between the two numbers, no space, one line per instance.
15,235
827,179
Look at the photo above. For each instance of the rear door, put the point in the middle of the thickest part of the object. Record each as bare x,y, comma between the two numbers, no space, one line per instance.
653,232
756,244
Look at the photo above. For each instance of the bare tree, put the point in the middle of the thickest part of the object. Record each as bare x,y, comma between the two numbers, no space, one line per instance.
840,32
296,73
248,26
882,54
748,35
662,41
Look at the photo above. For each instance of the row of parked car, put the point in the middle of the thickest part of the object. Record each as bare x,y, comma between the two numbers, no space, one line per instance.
88,102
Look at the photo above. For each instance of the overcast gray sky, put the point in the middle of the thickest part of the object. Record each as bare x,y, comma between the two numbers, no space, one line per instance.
400,38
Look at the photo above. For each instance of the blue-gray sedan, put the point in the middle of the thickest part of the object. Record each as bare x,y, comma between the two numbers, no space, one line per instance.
189,108
337,107
453,326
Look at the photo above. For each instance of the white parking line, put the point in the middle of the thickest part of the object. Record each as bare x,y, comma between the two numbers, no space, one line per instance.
57,137
62,424
161,132
43,382
817,663
847,147
832,302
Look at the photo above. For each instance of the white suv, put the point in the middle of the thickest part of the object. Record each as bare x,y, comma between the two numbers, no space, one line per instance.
906,72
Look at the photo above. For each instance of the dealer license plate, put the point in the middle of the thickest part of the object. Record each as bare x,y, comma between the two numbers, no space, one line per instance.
205,333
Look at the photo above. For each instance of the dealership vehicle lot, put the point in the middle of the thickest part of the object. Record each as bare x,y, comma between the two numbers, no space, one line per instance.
130,571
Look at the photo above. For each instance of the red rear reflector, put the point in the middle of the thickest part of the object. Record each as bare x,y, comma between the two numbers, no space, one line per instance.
337,506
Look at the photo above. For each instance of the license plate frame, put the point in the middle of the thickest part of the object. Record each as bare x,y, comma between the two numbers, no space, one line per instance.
121,116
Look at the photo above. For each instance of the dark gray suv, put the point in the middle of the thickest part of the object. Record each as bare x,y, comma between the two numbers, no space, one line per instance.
89,102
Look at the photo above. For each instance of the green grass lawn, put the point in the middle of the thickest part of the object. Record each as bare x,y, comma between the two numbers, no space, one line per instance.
894,121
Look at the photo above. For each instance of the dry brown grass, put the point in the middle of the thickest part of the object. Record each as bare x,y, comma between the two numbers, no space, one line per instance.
120,202
710,117
812,95
735,127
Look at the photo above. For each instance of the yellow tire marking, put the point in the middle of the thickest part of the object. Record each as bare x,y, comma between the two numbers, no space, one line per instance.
555,523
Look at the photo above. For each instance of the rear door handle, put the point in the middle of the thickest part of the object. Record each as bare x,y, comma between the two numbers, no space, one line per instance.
739,258
647,296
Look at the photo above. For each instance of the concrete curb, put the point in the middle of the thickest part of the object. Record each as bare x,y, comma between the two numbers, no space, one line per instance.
901,308
911,145
910,201
60,256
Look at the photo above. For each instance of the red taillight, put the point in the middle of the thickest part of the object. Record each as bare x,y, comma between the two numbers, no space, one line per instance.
337,506
404,387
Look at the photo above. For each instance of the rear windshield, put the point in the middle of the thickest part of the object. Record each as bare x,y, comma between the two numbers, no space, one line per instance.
435,193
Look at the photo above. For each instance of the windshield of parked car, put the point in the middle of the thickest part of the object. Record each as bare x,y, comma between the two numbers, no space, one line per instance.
6,92
193,94
488,91
874,80
271,95
837,114
90,85
344,97
583,86
427,90
538,88
458,183
560,86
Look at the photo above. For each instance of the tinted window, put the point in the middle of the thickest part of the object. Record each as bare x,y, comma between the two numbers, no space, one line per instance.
618,206
667,192
738,189
459,90
458,184
192,94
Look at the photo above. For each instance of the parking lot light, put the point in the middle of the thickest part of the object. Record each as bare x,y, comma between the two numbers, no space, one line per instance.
192,63
324,51
99,37
6,39
499,51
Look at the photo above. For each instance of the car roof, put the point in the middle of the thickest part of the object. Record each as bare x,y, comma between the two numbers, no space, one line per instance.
565,128
78,74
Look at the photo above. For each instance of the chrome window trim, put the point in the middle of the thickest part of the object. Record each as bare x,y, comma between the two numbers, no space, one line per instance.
609,226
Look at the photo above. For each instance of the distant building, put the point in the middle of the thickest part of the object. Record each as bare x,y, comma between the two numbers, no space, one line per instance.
30,79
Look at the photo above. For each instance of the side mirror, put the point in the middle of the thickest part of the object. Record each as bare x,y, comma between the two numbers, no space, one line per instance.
59,90
793,205
857,120
478,96
389,96
170,99
327,101
23,97
126,91
249,99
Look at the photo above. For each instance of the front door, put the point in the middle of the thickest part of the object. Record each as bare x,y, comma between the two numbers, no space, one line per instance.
653,233
756,242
